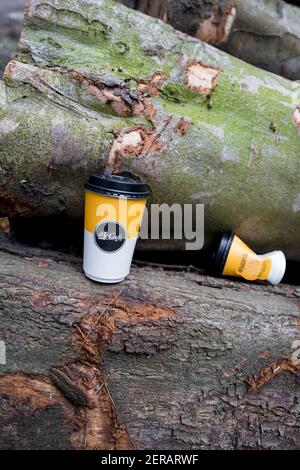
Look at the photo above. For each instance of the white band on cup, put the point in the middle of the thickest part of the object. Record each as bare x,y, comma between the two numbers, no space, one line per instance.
278,267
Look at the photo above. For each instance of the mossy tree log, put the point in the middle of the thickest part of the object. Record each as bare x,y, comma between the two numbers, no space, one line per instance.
96,84
262,32
147,364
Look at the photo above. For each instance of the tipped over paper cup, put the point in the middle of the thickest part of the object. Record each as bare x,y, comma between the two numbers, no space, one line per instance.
233,257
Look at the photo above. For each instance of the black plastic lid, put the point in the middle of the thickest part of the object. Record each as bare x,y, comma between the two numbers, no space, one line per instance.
123,184
222,249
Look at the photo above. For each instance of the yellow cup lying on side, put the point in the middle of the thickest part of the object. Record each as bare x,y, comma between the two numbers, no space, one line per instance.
234,258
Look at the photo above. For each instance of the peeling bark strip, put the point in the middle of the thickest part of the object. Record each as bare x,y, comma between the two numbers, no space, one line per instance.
85,385
132,142
201,78
269,372
92,334
124,101
152,86
83,381
72,94
149,366
115,92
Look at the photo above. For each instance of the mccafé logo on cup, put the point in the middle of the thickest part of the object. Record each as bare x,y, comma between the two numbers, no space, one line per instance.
114,208
234,258
110,236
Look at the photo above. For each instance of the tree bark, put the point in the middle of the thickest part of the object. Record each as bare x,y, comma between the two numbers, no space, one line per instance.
267,34
264,33
208,20
203,126
145,364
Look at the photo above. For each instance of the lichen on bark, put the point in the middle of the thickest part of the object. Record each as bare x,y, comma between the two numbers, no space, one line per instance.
86,73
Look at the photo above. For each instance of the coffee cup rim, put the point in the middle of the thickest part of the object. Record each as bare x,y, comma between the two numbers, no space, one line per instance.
222,250
124,184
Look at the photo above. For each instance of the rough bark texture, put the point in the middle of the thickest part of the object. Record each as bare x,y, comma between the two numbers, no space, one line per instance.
11,17
208,128
262,32
145,364
267,34
208,20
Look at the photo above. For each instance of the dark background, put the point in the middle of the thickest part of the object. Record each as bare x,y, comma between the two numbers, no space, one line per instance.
11,16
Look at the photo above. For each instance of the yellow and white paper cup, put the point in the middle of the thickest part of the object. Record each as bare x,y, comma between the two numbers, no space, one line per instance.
114,208
234,258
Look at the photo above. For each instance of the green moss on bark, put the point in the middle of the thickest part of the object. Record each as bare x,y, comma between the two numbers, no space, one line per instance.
240,157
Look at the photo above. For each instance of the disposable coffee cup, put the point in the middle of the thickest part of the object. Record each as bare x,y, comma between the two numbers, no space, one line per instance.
114,208
234,258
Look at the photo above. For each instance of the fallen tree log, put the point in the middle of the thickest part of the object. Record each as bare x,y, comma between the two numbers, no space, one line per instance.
144,364
99,85
264,33
210,21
